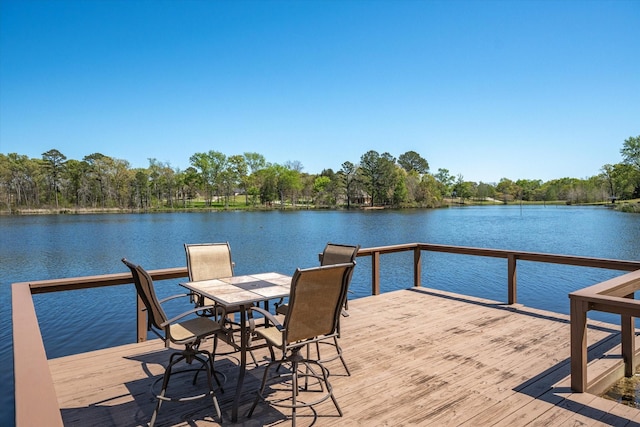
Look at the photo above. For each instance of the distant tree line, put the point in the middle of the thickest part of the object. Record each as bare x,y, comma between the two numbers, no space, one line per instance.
213,178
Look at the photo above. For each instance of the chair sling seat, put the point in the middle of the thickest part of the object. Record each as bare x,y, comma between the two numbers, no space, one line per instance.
189,330
208,260
272,335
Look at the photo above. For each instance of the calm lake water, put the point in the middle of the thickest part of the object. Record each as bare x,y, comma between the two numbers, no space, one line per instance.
47,247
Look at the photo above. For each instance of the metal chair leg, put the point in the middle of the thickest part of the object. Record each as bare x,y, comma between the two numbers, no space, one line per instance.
295,359
338,354
325,375
213,394
294,392
189,356
339,350
165,384
262,387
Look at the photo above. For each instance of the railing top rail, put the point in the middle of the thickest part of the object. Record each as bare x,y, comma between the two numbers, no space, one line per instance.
613,264
387,249
75,283
618,287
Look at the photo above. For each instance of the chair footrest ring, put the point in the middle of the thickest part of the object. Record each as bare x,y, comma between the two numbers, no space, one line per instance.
183,398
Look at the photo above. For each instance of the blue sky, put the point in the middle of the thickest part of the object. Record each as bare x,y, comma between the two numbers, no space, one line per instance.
486,89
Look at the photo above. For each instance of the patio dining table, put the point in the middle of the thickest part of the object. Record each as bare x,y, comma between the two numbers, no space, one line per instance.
242,291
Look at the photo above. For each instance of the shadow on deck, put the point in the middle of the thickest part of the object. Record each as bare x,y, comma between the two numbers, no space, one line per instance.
417,357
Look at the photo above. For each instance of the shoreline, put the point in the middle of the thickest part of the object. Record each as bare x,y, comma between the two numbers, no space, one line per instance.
630,206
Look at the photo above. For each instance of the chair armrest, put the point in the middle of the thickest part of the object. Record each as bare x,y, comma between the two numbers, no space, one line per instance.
266,314
279,303
185,314
162,301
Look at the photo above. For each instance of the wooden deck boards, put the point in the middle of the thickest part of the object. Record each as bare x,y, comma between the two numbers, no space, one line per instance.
417,357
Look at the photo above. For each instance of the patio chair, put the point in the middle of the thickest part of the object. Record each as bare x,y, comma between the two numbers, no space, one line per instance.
209,260
206,261
315,303
190,333
333,253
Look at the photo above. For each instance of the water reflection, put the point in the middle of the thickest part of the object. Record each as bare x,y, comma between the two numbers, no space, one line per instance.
45,247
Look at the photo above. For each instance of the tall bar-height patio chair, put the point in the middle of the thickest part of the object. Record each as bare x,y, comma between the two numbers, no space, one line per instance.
334,253
315,303
190,333
206,261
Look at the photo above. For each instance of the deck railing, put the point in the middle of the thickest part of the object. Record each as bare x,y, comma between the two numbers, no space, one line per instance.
611,296
33,382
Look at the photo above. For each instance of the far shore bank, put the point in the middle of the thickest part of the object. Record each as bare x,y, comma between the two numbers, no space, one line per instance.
630,206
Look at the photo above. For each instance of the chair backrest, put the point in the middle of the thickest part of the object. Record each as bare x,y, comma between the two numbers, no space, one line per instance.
207,261
144,287
315,301
335,253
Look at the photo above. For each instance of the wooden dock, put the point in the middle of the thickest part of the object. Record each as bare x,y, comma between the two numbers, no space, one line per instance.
417,357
